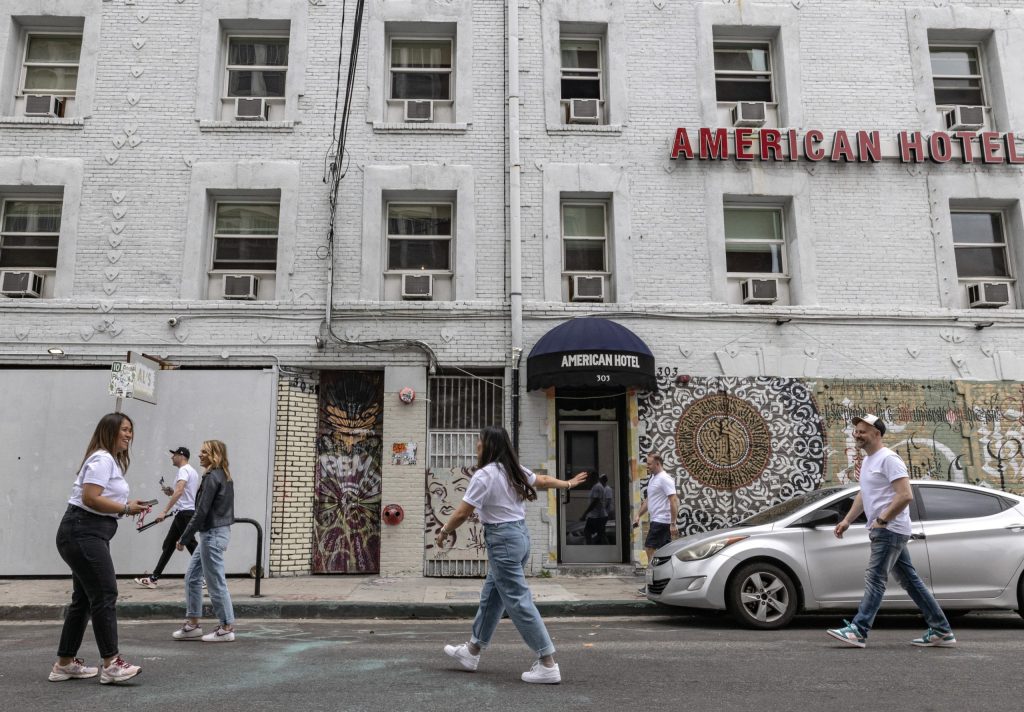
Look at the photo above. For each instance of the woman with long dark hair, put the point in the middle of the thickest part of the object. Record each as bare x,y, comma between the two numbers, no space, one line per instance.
98,498
498,492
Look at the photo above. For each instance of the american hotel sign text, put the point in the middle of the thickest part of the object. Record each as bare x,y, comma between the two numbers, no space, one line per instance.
747,144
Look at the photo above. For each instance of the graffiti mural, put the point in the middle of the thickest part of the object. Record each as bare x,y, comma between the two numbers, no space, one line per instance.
346,508
445,489
739,445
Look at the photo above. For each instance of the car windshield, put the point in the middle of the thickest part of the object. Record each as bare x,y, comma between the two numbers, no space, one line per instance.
784,509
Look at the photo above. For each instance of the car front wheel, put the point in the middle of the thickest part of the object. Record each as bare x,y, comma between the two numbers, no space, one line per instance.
762,596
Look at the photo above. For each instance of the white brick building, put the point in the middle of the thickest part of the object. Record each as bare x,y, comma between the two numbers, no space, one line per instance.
156,153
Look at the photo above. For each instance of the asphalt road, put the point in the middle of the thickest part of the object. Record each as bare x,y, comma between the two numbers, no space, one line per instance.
671,663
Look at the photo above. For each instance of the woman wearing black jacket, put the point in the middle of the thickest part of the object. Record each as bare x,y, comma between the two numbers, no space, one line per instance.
215,511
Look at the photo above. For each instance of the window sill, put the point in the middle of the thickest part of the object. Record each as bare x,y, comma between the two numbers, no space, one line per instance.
29,122
206,125
426,127
613,129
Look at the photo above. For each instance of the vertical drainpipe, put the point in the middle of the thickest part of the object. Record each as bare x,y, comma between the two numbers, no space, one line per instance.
514,223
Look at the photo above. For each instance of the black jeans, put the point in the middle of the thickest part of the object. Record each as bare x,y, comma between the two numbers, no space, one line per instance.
178,524
83,541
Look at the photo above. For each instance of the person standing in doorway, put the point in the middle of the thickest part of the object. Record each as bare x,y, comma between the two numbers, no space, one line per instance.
98,498
184,498
498,492
663,504
594,515
884,496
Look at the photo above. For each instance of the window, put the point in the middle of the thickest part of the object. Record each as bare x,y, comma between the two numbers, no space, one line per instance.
980,245
245,236
743,71
951,503
29,233
51,64
256,67
581,69
459,407
421,69
754,242
956,72
419,236
584,237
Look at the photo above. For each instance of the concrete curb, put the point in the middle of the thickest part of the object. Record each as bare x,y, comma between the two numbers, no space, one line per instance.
247,608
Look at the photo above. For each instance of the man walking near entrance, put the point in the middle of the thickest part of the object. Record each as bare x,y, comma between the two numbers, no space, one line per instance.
884,496
663,504
184,496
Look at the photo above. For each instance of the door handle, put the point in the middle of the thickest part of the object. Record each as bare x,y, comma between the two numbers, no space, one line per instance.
1016,528
918,536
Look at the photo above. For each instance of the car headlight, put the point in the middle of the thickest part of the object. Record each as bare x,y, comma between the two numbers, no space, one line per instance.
706,548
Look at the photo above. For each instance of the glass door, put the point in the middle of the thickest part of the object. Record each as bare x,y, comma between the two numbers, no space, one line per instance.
590,529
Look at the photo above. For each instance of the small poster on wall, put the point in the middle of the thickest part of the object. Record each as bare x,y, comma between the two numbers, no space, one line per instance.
403,453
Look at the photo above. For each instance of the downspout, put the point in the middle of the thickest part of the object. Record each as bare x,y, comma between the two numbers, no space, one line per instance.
514,221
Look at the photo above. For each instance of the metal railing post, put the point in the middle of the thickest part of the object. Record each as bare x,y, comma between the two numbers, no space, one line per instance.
259,551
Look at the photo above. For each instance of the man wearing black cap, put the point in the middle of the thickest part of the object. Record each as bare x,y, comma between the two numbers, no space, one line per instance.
884,496
184,497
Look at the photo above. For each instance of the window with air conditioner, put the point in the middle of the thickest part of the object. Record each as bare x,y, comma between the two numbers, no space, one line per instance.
255,72
421,78
29,237
49,74
982,259
959,86
245,243
755,252
585,250
581,80
743,73
419,246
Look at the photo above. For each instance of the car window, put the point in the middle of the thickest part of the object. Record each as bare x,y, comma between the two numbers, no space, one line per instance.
784,509
843,507
953,503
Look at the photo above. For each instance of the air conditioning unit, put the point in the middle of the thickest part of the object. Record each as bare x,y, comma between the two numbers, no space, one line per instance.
760,291
44,105
241,286
21,284
584,111
419,111
965,118
417,286
251,109
988,295
586,288
749,113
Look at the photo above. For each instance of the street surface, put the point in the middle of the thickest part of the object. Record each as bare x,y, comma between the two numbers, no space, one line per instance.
671,663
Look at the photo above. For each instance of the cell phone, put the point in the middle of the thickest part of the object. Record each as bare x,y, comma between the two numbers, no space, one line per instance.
148,502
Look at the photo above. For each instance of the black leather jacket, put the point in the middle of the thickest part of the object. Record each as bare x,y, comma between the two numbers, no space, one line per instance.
215,504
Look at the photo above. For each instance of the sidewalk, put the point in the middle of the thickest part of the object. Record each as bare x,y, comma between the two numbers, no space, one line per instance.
338,597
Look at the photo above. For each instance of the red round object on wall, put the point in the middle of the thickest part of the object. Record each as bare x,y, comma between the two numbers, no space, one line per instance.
407,395
393,514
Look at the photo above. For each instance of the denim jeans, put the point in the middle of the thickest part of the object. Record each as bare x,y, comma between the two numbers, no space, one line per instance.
208,562
889,553
505,589
83,541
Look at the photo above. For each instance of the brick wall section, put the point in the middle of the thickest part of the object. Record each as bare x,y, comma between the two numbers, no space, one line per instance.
291,517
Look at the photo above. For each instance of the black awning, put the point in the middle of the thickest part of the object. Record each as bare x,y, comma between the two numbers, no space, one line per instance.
590,353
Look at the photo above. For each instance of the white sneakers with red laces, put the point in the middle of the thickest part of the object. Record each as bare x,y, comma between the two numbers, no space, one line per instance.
74,670
119,670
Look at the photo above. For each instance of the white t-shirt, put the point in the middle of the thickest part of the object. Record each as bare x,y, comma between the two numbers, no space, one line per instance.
660,487
101,469
877,473
493,497
187,501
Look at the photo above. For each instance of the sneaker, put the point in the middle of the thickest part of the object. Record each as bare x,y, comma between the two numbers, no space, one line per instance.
642,591
849,634
188,632
219,636
76,669
461,653
119,670
146,582
934,639
542,674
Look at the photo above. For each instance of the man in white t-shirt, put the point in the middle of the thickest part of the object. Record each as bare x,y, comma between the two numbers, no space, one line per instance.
884,496
663,504
182,503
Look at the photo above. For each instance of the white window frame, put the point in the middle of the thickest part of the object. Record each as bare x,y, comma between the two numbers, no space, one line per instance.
421,70
602,238
25,64
725,74
228,68
598,73
215,237
1005,245
388,237
979,51
4,234
781,241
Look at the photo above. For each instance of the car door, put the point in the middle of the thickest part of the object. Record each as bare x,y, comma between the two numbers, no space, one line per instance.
975,540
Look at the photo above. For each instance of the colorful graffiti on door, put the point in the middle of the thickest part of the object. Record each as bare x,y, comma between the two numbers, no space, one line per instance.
346,508
739,445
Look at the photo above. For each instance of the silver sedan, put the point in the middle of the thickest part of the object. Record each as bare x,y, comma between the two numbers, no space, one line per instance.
967,545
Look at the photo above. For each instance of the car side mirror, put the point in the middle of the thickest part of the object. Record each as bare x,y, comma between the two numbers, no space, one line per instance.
820,518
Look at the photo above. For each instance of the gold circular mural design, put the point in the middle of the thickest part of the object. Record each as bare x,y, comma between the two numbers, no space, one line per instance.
723,441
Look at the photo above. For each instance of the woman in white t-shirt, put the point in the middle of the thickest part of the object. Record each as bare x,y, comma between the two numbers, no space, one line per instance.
98,498
497,493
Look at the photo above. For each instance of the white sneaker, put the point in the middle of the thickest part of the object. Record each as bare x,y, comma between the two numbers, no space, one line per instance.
76,669
461,653
188,632
542,674
219,636
119,670
146,582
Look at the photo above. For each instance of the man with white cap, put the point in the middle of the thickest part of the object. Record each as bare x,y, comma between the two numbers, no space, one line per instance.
884,496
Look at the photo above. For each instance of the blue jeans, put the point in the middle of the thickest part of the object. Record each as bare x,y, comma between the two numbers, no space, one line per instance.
208,562
889,553
505,589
